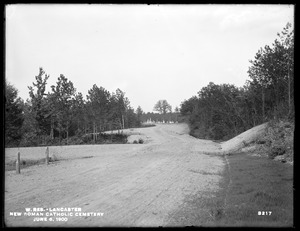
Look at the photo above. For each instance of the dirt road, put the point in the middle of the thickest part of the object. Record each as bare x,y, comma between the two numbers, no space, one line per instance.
130,184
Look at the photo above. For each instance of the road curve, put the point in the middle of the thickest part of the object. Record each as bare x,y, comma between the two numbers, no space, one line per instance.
133,185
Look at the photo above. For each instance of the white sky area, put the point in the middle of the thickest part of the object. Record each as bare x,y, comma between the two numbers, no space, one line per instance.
150,52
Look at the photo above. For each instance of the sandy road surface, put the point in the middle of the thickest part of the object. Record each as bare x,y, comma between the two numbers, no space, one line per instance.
131,184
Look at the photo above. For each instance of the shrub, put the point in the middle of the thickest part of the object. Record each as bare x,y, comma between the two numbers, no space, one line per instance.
29,139
141,141
87,138
279,138
75,140
49,141
135,142
276,151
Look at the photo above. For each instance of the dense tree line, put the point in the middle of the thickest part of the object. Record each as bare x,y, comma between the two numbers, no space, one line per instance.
55,116
63,116
222,111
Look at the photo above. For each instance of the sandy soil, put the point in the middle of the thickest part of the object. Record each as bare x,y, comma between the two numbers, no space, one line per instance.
239,142
131,184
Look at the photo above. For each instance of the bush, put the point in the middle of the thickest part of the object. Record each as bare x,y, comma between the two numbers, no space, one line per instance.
141,141
74,140
135,142
87,138
28,140
103,138
10,143
279,139
276,151
50,142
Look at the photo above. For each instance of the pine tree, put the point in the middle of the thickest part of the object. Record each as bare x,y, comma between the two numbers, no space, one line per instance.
13,115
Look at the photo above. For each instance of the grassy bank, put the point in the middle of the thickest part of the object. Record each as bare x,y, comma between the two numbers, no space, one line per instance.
255,185
250,185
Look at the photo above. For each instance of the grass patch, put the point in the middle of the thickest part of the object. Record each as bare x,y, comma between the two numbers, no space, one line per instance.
250,185
257,184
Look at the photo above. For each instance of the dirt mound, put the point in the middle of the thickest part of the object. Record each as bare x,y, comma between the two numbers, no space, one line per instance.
244,139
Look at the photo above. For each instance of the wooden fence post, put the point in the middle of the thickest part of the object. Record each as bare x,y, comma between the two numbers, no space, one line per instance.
18,164
47,155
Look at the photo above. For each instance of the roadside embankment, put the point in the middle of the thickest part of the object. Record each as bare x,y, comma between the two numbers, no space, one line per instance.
237,143
274,139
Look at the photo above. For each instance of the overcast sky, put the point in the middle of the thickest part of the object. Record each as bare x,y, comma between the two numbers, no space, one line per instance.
149,52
